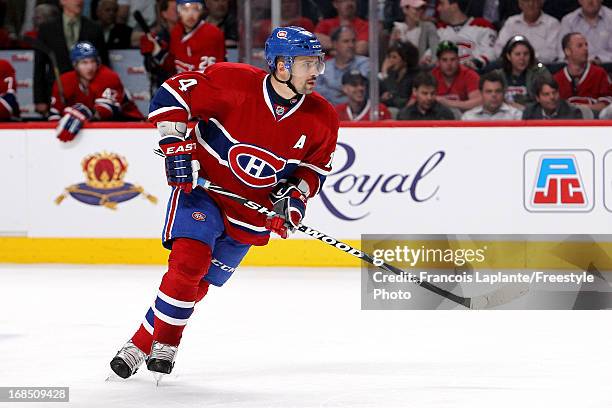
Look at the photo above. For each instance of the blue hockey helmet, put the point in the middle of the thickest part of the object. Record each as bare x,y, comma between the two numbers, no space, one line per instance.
83,50
179,2
290,42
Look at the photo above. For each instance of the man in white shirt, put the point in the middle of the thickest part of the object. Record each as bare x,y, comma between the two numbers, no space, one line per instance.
539,28
493,107
594,21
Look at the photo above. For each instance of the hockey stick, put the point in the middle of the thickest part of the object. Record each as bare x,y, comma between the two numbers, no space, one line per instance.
495,298
40,46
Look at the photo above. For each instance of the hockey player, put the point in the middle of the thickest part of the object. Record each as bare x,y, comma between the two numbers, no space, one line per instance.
9,108
267,137
91,92
194,44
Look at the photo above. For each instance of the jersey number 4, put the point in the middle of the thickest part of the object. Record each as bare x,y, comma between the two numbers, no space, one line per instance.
187,83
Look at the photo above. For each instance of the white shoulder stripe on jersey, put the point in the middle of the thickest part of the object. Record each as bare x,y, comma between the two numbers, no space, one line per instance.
225,132
163,110
192,32
208,148
266,97
315,168
175,302
246,225
178,97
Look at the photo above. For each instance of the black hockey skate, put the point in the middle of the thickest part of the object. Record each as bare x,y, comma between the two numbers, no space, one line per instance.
128,360
161,359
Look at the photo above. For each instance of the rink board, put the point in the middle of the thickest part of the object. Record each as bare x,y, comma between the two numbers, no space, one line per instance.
387,179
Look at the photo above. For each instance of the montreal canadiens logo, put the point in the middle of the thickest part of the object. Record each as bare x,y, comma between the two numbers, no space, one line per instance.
198,216
282,34
254,166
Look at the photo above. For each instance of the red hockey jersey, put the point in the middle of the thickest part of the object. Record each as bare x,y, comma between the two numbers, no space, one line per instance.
243,145
8,89
592,87
195,51
104,95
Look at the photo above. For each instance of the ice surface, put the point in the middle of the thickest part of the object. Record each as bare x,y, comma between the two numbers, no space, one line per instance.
294,338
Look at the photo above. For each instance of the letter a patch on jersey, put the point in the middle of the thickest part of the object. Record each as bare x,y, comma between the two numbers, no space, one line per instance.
300,143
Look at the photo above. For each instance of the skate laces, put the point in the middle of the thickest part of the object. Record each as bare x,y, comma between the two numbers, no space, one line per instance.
163,351
132,355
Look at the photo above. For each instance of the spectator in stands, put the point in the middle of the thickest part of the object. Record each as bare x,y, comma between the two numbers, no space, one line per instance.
580,81
20,15
414,30
457,84
492,88
539,28
90,92
425,106
519,70
549,104
43,13
125,14
397,72
355,87
60,35
290,16
474,36
168,17
346,17
218,14
594,21
606,113
9,107
194,43
116,35
330,83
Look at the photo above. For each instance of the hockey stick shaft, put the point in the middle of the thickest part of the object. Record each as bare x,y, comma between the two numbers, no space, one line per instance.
333,242
39,46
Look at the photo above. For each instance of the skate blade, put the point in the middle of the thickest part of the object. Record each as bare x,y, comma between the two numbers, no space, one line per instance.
112,377
158,377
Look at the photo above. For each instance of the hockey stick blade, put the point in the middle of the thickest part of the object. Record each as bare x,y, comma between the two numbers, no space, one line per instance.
488,300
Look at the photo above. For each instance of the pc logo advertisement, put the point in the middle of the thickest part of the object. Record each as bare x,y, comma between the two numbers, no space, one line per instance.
559,181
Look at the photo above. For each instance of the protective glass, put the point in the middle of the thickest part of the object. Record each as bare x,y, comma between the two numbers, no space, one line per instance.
309,67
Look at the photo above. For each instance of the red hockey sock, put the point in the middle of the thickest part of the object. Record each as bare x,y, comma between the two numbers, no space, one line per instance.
178,292
143,338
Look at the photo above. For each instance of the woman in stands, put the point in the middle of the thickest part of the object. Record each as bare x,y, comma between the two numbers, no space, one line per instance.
519,69
399,68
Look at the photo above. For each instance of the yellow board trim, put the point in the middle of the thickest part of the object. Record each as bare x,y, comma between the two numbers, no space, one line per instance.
300,252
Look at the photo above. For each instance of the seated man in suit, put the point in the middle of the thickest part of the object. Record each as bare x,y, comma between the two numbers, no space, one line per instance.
117,36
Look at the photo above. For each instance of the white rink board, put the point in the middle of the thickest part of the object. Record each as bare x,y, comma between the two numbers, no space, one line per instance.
476,188
136,218
13,168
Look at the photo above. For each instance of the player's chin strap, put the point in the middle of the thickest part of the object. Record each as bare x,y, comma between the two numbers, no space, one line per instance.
287,82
